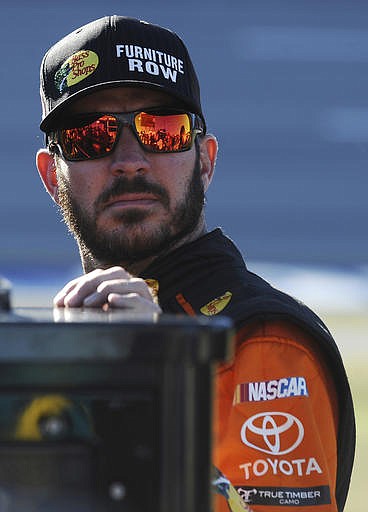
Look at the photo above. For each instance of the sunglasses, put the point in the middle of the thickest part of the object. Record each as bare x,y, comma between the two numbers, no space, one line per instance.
91,136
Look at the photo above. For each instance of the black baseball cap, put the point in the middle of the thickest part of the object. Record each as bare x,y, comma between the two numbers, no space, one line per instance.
111,52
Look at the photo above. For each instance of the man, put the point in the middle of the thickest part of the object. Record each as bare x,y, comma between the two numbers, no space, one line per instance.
128,160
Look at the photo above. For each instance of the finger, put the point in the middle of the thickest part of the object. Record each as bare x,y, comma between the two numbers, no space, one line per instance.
133,303
87,285
61,294
122,287
95,300
69,288
125,286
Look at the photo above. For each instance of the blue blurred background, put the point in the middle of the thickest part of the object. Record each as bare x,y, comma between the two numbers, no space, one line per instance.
285,89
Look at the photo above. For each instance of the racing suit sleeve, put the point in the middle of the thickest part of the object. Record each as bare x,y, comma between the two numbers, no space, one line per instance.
275,426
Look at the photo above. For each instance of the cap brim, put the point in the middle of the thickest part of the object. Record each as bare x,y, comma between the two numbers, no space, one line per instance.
50,122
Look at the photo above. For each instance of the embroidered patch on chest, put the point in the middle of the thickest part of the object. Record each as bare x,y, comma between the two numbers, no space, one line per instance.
216,305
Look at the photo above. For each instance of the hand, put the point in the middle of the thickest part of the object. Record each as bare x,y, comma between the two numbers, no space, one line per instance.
113,287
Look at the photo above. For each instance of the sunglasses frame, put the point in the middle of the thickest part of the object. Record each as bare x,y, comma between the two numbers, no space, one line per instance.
126,119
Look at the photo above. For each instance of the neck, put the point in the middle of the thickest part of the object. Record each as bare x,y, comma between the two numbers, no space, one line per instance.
136,267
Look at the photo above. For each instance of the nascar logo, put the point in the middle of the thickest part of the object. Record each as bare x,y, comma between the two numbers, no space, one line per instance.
270,390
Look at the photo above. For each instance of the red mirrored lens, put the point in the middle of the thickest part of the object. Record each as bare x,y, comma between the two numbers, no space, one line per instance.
164,133
158,133
92,140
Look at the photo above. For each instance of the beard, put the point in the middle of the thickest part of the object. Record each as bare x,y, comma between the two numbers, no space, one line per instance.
131,241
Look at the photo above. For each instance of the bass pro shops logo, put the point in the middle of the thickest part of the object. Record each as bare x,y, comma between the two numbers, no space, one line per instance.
276,433
76,68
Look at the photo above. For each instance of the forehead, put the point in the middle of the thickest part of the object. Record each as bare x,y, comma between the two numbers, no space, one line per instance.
122,99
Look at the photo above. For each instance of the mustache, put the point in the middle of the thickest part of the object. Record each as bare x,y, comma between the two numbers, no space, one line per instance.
138,184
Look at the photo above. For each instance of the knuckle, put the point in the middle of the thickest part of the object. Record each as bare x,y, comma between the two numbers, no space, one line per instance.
102,286
120,271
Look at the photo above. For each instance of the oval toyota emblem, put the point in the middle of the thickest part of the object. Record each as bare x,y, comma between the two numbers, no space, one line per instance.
275,433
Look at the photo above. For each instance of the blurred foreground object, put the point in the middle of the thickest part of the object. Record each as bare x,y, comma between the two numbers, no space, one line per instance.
105,412
5,288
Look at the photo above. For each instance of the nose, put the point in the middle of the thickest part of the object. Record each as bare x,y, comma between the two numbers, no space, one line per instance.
128,156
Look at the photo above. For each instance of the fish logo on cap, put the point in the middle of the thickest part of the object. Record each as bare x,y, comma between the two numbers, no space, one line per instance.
76,68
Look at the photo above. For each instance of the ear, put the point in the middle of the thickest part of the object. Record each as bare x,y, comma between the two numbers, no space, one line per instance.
208,155
47,170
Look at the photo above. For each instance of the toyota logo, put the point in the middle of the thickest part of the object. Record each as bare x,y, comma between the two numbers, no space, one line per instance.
275,433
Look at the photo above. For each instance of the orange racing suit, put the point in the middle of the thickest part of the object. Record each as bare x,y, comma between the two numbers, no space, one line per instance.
268,399
284,429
